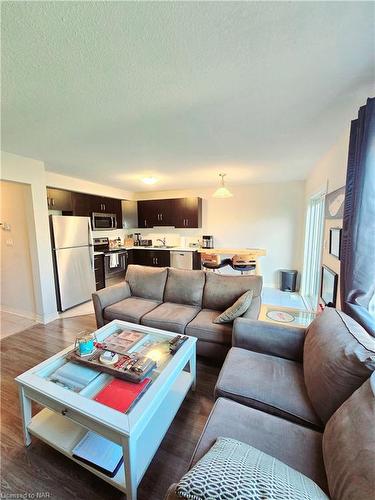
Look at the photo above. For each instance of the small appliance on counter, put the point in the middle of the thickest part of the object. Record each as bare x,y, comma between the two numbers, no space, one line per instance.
207,241
145,243
137,239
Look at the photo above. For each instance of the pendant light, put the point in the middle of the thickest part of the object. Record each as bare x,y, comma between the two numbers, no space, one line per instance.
222,191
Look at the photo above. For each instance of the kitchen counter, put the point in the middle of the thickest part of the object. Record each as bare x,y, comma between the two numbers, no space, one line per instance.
171,249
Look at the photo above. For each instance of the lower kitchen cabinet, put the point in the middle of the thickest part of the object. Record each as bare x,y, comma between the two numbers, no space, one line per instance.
154,258
99,271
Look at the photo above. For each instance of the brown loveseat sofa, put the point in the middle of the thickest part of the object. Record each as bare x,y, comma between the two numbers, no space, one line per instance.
179,301
304,397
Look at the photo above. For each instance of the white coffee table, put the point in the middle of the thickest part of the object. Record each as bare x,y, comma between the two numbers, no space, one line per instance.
67,415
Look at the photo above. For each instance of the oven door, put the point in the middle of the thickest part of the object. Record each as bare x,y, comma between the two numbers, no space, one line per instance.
103,222
115,264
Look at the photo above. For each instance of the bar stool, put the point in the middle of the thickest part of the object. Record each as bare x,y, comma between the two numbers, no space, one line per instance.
213,261
243,263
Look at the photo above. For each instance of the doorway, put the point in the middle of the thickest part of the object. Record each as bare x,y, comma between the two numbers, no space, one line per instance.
313,251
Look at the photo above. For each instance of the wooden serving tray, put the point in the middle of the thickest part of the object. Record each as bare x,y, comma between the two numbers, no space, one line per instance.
94,363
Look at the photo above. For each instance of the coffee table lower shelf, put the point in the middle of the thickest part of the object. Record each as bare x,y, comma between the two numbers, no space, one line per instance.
62,434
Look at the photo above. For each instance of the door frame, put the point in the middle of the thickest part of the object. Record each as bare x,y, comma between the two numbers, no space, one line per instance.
313,250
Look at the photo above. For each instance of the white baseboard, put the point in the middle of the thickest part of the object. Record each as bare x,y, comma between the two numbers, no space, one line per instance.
38,318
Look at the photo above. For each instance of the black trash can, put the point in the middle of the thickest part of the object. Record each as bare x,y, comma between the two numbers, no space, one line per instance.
288,280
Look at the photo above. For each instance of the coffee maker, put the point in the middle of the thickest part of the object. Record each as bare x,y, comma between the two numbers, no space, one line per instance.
207,241
137,240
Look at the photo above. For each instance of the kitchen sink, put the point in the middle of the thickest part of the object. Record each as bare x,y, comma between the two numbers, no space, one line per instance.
163,246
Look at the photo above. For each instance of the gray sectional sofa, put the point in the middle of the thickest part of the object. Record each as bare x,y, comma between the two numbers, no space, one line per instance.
179,301
304,397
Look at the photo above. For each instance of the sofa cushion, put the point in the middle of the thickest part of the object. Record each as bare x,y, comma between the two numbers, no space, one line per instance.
131,309
232,469
349,446
171,317
237,309
269,383
297,446
203,327
184,287
221,291
338,356
147,282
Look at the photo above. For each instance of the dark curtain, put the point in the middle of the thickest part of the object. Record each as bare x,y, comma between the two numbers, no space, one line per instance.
357,274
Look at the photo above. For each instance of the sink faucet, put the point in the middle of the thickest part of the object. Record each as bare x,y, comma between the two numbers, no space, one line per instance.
162,240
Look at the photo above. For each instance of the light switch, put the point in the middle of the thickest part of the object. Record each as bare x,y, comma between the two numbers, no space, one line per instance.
9,242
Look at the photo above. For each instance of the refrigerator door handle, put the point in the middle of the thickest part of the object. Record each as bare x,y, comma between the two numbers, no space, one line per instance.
91,246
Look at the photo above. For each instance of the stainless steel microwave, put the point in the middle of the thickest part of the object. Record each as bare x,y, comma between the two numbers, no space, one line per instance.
102,222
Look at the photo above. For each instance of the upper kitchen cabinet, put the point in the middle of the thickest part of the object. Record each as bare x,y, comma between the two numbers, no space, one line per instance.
81,204
99,204
188,212
178,212
59,199
148,213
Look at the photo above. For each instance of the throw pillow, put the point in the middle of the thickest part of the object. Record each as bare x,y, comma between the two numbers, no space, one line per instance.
231,469
237,309
338,356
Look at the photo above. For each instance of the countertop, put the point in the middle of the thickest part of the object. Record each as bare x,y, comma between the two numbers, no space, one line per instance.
259,252
174,249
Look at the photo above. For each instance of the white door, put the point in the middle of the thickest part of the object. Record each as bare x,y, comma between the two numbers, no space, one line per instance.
313,251
75,275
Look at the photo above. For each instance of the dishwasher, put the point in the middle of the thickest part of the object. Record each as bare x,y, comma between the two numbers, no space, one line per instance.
182,260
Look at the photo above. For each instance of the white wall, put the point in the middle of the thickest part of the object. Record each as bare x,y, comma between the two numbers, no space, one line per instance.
16,277
31,172
269,216
329,174
82,186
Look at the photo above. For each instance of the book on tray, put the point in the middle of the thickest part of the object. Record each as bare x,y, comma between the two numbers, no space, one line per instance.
121,394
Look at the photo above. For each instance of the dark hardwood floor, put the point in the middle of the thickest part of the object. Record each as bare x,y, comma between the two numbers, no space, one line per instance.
45,473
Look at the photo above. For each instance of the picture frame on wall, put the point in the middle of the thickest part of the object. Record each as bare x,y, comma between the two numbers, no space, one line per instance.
328,287
335,241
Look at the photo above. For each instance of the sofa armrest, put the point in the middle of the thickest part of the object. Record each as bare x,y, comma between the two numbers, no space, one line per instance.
108,296
268,338
171,493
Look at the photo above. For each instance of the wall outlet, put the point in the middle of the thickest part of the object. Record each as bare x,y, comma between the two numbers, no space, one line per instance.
9,242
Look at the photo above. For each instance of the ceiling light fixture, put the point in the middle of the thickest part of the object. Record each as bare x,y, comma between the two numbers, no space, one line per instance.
149,180
222,191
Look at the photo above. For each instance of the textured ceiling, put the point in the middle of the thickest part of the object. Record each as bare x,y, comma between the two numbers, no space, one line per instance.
113,91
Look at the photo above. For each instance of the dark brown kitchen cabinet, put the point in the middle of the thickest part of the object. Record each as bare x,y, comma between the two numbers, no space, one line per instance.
178,212
188,212
59,199
99,271
147,213
100,204
154,258
81,204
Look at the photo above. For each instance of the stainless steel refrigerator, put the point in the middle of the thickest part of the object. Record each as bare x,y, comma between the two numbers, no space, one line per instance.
73,259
